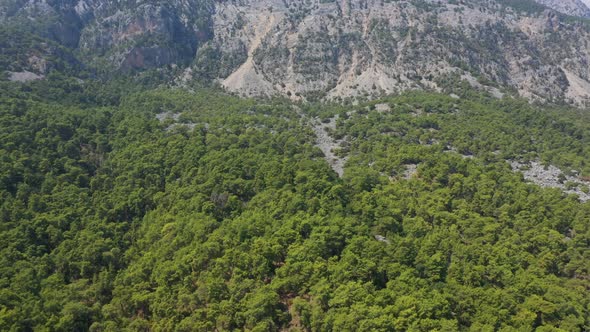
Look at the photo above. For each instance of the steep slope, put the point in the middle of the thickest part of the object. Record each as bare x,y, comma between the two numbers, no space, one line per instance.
327,49
246,78
366,48
570,7
121,35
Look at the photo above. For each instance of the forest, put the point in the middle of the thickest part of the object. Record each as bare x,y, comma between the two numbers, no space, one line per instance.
131,208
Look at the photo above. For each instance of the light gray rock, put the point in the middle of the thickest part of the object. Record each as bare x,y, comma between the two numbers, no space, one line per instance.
381,238
312,49
23,76
569,7
328,144
550,177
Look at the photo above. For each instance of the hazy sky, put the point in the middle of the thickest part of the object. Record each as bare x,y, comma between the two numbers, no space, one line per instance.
587,2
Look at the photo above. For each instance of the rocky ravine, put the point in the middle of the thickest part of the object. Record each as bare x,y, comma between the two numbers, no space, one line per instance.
328,145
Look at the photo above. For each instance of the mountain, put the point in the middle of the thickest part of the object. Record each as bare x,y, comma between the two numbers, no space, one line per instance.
327,49
335,49
570,7
140,192
122,35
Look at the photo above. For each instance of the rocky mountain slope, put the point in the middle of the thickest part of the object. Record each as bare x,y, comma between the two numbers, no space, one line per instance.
121,35
570,7
339,49
328,49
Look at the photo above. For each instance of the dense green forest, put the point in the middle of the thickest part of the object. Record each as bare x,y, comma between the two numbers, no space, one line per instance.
223,214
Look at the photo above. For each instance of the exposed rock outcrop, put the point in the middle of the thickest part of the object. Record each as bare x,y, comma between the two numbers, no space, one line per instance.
330,49
569,7
23,76
328,144
124,35
552,177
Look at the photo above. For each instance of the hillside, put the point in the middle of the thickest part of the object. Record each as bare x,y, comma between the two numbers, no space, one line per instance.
332,51
161,210
241,165
328,50
570,7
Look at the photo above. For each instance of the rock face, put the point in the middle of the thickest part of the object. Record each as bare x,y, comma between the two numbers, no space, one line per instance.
330,49
335,49
123,34
569,7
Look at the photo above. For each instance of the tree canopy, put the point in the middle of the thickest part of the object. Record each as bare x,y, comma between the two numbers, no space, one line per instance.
169,210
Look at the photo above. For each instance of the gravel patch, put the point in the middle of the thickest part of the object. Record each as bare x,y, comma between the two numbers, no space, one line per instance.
381,238
550,177
327,144
167,115
411,171
23,76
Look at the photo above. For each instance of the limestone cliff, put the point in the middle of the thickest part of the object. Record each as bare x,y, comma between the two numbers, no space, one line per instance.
337,49
328,49
569,7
